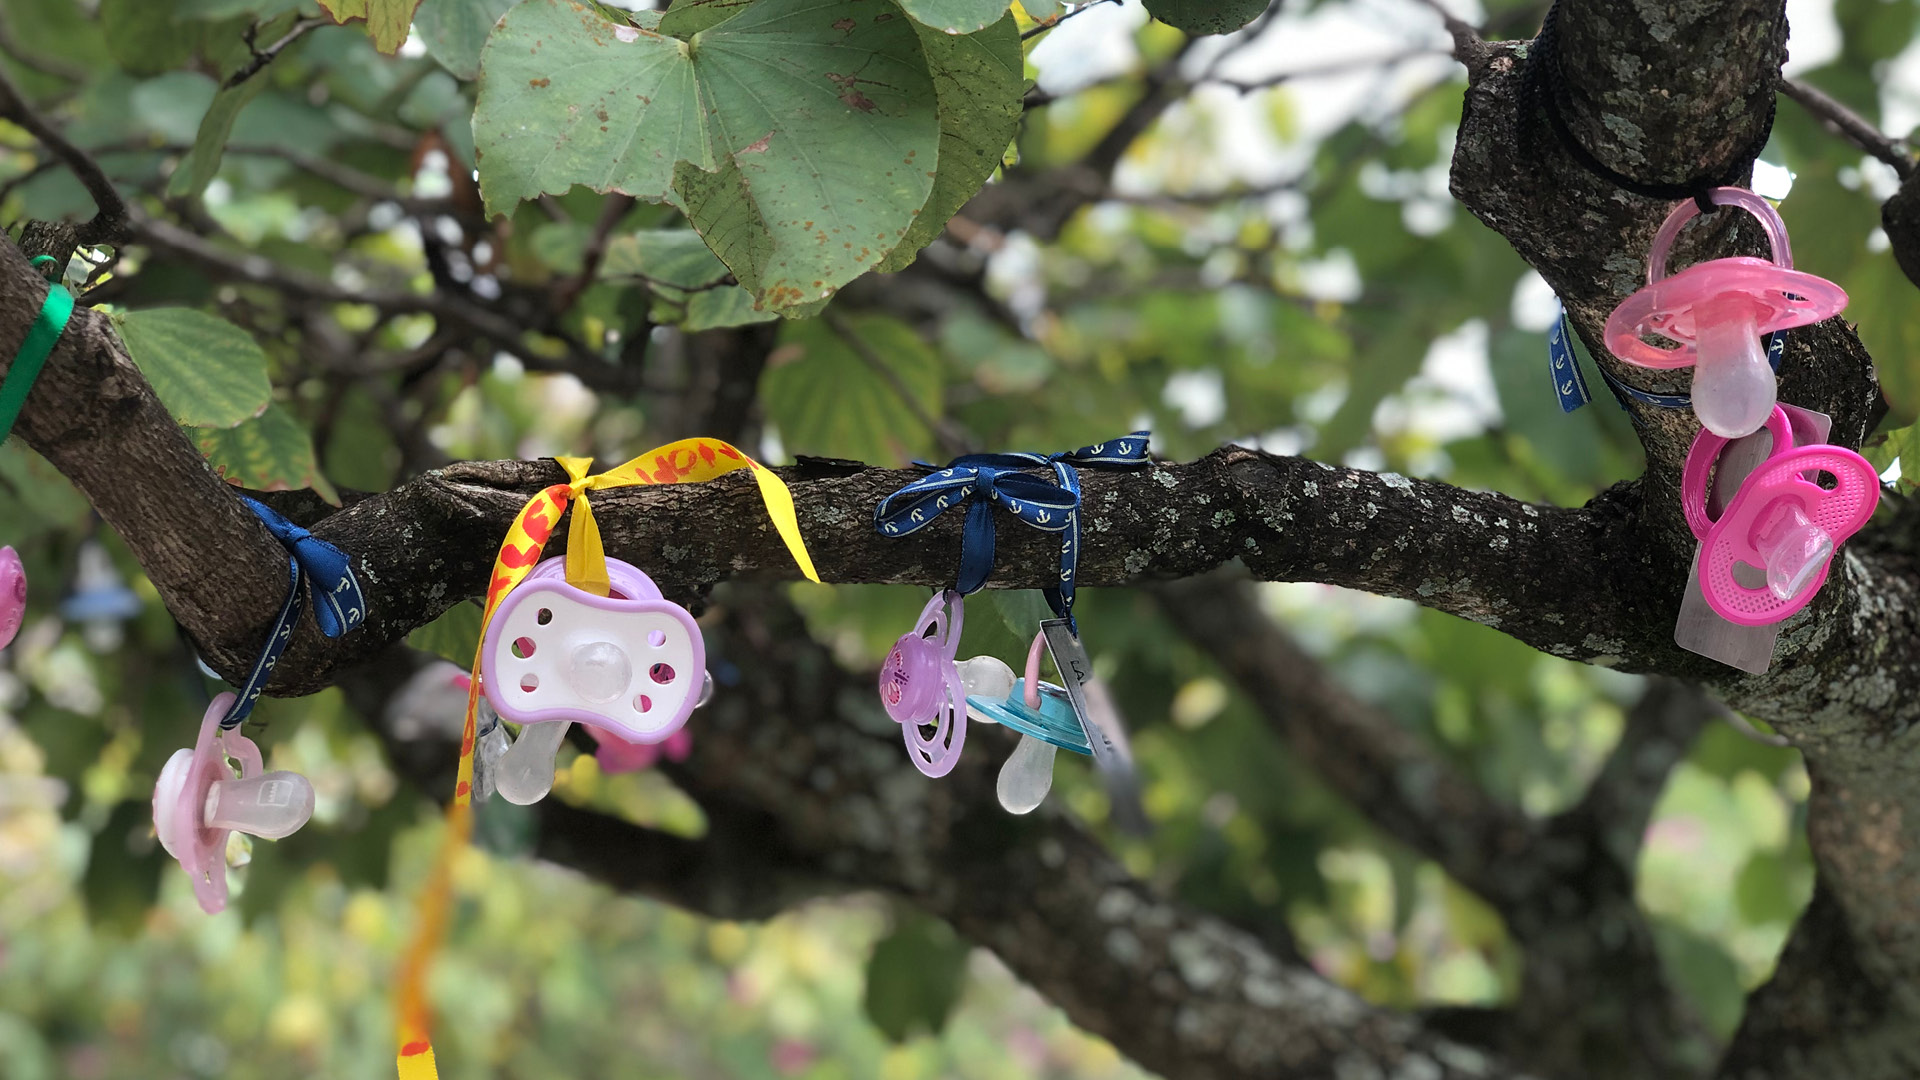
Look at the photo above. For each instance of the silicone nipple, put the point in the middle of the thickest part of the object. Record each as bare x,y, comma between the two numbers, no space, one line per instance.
270,805
1795,549
526,769
491,745
987,677
1027,776
1733,386
600,671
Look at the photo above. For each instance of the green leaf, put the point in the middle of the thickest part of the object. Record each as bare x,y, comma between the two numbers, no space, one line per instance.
143,37
270,453
1887,308
728,305
1206,16
801,142
203,161
915,976
1766,890
676,257
387,20
956,16
456,30
828,399
980,79
208,372
688,17
453,636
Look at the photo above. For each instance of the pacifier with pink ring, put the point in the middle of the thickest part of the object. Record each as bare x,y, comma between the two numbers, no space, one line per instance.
13,594
1780,531
630,664
920,686
1717,311
199,801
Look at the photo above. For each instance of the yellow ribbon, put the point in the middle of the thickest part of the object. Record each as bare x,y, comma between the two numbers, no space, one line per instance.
685,462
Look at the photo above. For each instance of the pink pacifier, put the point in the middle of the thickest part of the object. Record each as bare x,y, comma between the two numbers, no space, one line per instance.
920,686
198,801
1781,521
631,665
13,594
617,755
1718,311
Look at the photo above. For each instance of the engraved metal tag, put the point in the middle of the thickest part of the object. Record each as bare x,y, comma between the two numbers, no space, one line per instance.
1107,736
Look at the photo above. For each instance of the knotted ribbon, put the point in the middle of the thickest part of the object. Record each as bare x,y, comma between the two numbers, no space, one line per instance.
984,481
686,461
47,327
328,572
1570,384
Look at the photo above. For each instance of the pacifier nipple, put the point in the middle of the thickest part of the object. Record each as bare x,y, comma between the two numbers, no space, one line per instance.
270,805
490,746
1733,386
526,769
600,671
1027,776
1795,549
987,677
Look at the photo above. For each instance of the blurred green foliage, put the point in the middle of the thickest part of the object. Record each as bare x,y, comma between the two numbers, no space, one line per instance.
1344,308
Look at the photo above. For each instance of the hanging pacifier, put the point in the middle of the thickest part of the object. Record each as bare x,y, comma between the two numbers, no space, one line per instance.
198,801
13,594
1782,523
1041,712
616,755
920,686
554,654
1718,311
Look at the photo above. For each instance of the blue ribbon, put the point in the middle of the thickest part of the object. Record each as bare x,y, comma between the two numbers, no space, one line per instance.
1570,385
328,573
985,480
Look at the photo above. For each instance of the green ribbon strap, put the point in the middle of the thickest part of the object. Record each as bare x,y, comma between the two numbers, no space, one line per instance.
46,330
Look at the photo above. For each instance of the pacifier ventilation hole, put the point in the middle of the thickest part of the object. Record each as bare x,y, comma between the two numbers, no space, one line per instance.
523,648
544,617
529,683
657,639
661,673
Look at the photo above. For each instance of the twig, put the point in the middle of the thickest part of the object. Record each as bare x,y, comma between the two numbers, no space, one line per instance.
263,57
1332,67
1838,118
1466,36
568,290
109,224
953,442
1048,24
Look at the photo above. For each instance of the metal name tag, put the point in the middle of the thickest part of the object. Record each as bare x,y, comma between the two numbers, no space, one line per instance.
1106,735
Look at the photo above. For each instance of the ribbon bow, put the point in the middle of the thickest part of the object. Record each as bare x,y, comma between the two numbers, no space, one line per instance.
328,573
985,480
686,461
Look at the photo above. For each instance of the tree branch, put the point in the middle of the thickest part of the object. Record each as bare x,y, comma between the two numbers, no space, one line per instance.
1844,121
109,222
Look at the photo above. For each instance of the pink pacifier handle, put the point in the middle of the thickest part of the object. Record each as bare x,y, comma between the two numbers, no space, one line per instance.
1701,457
1687,210
1781,510
13,594
1032,691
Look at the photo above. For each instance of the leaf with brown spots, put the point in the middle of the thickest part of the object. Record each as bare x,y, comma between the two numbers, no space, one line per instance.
387,21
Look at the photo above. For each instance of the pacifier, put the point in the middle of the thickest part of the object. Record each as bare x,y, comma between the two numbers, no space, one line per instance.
920,686
1040,711
616,755
1781,522
198,801
554,654
1718,311
13,594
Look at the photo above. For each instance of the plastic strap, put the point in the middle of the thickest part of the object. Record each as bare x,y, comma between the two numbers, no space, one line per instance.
1570,384
47,327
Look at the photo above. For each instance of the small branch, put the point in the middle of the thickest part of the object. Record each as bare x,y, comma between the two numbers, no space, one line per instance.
263,57
953,442
109,223
1332,67
1048,24
1843,121
568,290
1468,46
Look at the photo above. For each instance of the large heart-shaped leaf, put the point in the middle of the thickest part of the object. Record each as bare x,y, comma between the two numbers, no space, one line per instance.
208,372
456,30
914,977
980,79
956,16
800,137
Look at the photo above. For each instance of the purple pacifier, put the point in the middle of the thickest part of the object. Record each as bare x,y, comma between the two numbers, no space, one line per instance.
920,686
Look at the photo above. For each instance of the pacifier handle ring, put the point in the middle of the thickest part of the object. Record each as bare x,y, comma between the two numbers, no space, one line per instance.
1685,211
1032,693
232,744
956,610
1701,457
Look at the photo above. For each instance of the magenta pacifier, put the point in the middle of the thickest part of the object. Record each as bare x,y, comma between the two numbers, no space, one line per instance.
1782,525
198,801
13,594
920,686
1718,311
631,663
616,755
